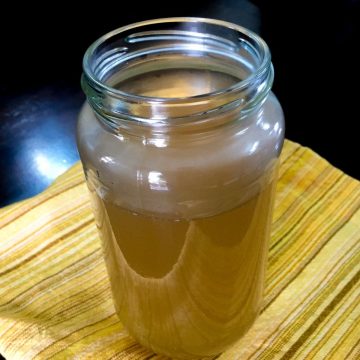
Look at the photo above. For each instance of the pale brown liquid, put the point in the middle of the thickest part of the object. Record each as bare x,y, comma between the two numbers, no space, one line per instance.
187,288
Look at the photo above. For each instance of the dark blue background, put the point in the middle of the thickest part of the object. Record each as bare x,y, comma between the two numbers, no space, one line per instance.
314,54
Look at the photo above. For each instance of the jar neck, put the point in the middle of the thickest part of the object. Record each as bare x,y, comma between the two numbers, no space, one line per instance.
180,47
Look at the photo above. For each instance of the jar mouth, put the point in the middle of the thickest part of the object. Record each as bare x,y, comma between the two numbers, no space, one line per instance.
119,48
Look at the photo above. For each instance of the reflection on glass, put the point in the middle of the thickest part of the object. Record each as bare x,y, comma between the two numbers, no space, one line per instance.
107,160
156,181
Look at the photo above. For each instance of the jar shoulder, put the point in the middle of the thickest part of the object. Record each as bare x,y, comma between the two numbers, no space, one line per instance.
262,131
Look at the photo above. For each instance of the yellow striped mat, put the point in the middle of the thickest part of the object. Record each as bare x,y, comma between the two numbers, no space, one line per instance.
55,299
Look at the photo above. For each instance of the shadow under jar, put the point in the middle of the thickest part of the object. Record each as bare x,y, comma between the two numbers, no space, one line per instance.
180,139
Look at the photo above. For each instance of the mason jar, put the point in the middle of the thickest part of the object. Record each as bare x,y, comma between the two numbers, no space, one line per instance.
180,139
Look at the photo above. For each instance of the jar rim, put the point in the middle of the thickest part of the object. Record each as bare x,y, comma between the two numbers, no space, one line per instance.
261,47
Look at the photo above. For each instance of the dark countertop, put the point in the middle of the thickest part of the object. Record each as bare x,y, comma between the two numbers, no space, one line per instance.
315,68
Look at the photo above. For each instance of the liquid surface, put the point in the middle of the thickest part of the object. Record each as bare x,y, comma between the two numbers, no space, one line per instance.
171,83
187,288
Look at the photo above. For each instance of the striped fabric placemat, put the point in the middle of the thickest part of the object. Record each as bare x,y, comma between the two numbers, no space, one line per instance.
55,299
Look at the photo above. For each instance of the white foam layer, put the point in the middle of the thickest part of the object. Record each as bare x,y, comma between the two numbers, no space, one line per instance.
183,176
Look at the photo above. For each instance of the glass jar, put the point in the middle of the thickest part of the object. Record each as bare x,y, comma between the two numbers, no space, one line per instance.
180,139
